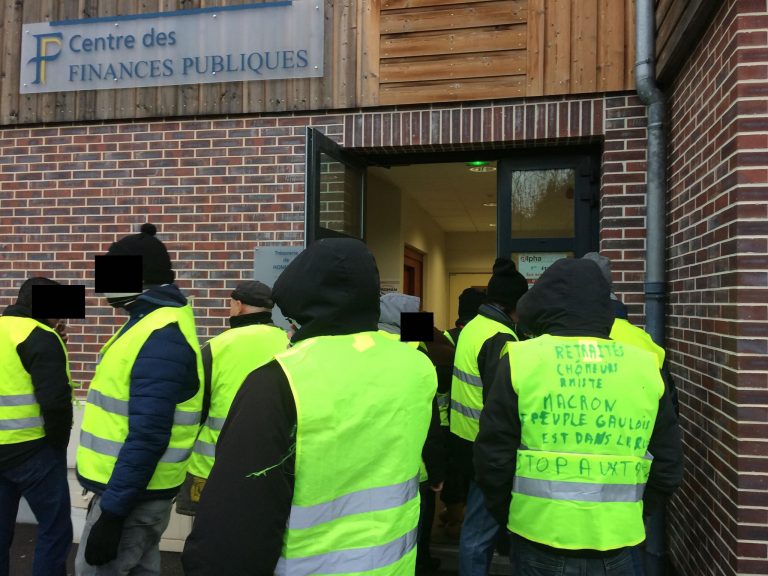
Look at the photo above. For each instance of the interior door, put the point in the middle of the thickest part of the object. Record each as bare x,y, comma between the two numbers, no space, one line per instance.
334,190
548,208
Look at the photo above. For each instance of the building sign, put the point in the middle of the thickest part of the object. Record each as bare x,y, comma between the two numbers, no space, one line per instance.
268,263
532,265
267,41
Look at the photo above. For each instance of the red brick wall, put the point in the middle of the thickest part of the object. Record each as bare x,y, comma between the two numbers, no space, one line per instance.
718,273
217,188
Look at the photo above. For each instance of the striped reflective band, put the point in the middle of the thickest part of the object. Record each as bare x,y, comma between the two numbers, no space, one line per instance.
578,491
120,407
21,423
205,448
353,560
465,410
467,378
442,399
215,423
359,502
17,400
112,448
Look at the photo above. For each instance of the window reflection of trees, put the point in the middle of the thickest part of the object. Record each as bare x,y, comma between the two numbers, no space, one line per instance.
542,201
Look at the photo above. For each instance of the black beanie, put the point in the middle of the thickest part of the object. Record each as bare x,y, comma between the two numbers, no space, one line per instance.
469,301
156,264
507,284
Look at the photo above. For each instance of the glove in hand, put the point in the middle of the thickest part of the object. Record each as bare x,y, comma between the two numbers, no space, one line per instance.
104,539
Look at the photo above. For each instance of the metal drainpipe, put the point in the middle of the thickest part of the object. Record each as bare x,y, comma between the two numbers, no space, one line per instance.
652,97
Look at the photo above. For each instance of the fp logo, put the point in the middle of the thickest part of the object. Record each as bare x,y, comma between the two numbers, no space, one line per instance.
44,42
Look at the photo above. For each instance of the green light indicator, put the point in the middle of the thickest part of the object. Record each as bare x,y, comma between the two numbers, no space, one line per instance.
478,163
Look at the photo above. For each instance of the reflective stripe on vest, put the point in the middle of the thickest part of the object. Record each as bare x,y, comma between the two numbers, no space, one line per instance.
466,385
120,407
112,448
20,417
235,353
353,560
105,421
359,436
587,408
360,502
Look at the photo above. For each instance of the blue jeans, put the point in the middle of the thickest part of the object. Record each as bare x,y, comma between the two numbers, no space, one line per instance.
42,480
478,535
531,560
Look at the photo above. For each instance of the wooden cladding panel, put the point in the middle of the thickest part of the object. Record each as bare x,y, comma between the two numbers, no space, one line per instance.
481,65
679,26
448,90
509,37
473,15
580,46
443,51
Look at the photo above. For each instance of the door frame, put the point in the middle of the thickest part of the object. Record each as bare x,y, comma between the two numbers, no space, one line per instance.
317,144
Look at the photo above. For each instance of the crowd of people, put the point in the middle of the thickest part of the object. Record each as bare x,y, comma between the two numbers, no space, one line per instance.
544,419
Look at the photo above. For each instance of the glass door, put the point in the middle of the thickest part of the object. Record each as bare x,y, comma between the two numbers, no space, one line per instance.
548,208
335,190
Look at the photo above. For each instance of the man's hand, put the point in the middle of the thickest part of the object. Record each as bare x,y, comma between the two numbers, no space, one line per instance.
104,539
436,487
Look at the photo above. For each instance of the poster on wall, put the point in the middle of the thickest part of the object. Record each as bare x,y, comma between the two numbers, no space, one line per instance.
268,263
532,264
260,41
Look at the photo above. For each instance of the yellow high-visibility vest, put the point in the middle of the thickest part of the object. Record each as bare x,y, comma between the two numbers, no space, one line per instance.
20,419
235,353
363,407
105,420
587,407
466,386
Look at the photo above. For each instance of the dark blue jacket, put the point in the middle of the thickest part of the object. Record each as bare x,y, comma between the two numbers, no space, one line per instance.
164,375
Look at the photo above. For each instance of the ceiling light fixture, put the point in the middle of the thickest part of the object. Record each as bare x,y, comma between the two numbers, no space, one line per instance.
492,225
489,204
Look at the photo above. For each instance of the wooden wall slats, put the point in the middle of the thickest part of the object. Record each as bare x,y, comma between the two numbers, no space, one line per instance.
558,46
369,52
9,98
502,63
610,55
669,23
630,36
679,26
468,16
584,59
401,4
448,90
537,38
508,37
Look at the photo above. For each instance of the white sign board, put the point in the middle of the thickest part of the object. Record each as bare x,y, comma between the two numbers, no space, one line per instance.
268,263
532,265
266,41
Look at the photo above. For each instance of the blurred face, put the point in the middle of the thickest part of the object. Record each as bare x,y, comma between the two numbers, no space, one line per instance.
235,307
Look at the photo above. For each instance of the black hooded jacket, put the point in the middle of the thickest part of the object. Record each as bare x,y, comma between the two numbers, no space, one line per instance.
570,299
332,290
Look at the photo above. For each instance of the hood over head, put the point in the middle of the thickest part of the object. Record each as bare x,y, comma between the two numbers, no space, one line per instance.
392,305
571,298
331,288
